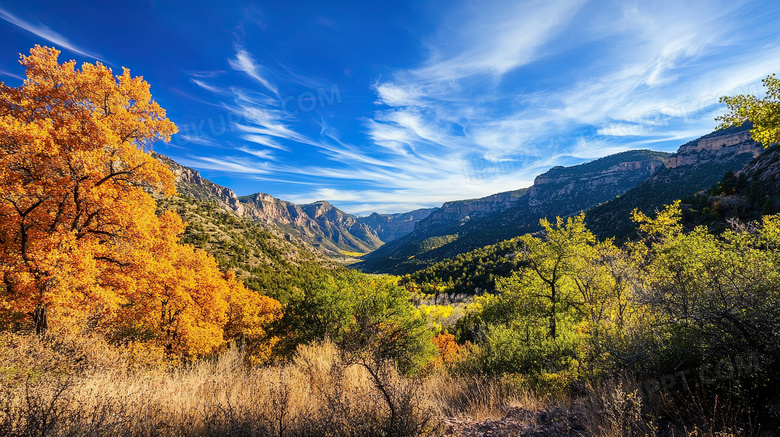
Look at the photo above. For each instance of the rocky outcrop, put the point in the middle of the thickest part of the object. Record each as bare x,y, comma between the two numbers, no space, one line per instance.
389,227
190,183
268,209
461,211
765,169
600,179
712,148
320,224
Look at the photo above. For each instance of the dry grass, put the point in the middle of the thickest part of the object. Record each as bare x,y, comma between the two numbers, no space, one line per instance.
76,385
315,395
477,397
616,407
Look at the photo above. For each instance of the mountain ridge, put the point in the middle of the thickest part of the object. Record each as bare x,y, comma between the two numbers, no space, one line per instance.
749,189
696,166
318,224
405,242
559,191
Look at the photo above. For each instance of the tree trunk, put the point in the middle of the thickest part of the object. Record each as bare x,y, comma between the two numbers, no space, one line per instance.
554,299
40,319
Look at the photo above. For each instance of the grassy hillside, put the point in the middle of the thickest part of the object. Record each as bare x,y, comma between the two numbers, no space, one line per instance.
265,262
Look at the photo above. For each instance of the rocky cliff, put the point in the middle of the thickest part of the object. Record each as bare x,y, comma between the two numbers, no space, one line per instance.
389,227
460,226
319,224
558,181
190,183
712,148
461,211
564,190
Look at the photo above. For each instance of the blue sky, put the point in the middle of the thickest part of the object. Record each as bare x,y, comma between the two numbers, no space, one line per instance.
391,106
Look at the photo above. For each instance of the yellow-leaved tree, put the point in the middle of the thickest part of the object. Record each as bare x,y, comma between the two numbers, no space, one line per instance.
79,237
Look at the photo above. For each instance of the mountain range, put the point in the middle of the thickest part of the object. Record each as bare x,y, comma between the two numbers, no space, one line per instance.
608,189
749,189
319,224
459,227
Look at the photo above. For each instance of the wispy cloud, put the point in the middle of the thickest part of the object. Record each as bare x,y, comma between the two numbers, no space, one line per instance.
46,33
497,81
226,164
15,76
246,63
263,154
208,87
469,97
495,38
265,141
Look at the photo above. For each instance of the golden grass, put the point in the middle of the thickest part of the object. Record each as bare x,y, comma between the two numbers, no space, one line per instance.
76,385
352,254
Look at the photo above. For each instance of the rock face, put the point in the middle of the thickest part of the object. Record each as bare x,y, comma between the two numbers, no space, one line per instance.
711,148
575,188
320,224
764,170
460,226
696,166
268,209
466,210
342,228
389,227
557,182
190,183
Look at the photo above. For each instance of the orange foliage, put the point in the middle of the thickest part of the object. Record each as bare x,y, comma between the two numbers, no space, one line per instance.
79,237
449,350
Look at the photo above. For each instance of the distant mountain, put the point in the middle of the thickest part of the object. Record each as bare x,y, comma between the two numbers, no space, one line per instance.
461,226
319,224
460,212
696,166
750,188
389,227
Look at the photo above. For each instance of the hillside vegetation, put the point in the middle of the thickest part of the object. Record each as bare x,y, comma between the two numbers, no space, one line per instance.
265,262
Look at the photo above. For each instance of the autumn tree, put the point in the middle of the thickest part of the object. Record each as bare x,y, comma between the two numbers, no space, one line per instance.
72,146
79,236
179,300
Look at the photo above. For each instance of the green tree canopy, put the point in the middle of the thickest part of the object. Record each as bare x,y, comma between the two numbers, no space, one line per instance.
764,113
